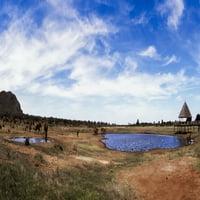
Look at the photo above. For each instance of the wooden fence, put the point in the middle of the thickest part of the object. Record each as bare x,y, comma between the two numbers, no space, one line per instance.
187,127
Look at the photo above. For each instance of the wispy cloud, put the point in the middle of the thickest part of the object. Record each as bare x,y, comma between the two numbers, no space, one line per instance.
29,62
68,56
194,50
142,19
174,10
151,52
169,60
63,8
26,57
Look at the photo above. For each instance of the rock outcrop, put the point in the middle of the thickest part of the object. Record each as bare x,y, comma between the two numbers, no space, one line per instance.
9,105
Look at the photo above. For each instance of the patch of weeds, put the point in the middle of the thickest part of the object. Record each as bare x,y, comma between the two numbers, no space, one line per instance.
93,182
39,158
124,190
20,179
89,147
23,181
196,165
171,154
133,160
56,149
197,151
17,177
8,154
174,153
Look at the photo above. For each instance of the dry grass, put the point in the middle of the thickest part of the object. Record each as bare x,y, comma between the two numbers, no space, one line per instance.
79,179
142,129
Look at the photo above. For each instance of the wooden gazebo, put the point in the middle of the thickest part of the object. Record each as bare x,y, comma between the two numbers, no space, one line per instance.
185,113
187,125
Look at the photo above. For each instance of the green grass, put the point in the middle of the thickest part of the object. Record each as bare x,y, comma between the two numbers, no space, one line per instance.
95,182
88,147
91,182
197,150
133,160
21,179
39,159
55,149
17,182
196,165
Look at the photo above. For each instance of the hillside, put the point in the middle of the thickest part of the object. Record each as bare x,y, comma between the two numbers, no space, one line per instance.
9,105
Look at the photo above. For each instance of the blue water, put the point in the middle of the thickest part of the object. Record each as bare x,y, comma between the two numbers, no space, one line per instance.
141,142
31,140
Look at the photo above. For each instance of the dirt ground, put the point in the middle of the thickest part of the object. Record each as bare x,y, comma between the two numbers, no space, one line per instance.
162,179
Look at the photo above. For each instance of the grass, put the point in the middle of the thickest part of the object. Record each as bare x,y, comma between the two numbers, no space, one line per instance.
16,182
21,179
196,165
143,129
133,160
39,158
89,150
55,149
197,150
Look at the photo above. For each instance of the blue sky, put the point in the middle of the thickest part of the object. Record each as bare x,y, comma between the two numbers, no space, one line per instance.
103,60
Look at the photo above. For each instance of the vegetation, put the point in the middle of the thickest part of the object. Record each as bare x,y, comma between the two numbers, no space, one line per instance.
24,176
133,160
21,178
23,181
56,149
142,129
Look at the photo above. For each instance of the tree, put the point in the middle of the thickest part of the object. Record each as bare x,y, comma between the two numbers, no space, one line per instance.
197,117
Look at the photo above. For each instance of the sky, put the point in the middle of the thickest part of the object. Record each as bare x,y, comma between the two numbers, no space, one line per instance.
114,61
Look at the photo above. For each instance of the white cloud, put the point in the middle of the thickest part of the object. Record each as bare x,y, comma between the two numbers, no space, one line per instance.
170,60
142,19
150,52
63,8
194,49
138,85
130,65
26,58
61,60
31,62
174,9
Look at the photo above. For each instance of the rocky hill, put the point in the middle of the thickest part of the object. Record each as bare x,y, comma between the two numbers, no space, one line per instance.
9,105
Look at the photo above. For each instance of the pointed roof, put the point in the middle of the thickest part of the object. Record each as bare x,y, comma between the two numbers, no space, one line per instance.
185,111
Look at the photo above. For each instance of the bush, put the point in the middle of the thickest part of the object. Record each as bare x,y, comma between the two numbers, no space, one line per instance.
197,150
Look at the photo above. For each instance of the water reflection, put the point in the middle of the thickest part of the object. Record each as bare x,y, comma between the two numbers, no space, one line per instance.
31,140
141,142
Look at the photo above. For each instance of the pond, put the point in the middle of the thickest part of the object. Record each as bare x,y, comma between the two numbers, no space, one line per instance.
31,140
137,142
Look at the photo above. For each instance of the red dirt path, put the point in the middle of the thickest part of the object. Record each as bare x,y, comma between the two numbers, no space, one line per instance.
164,180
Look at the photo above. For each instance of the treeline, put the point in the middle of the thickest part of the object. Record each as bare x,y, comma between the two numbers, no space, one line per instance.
52,121
159,123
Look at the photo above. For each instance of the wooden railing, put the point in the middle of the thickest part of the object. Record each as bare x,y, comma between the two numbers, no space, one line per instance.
192,123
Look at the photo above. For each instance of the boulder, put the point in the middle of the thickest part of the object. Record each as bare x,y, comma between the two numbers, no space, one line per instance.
9,105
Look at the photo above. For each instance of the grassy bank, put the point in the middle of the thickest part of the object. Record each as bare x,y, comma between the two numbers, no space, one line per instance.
142,129
31,176
22,178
